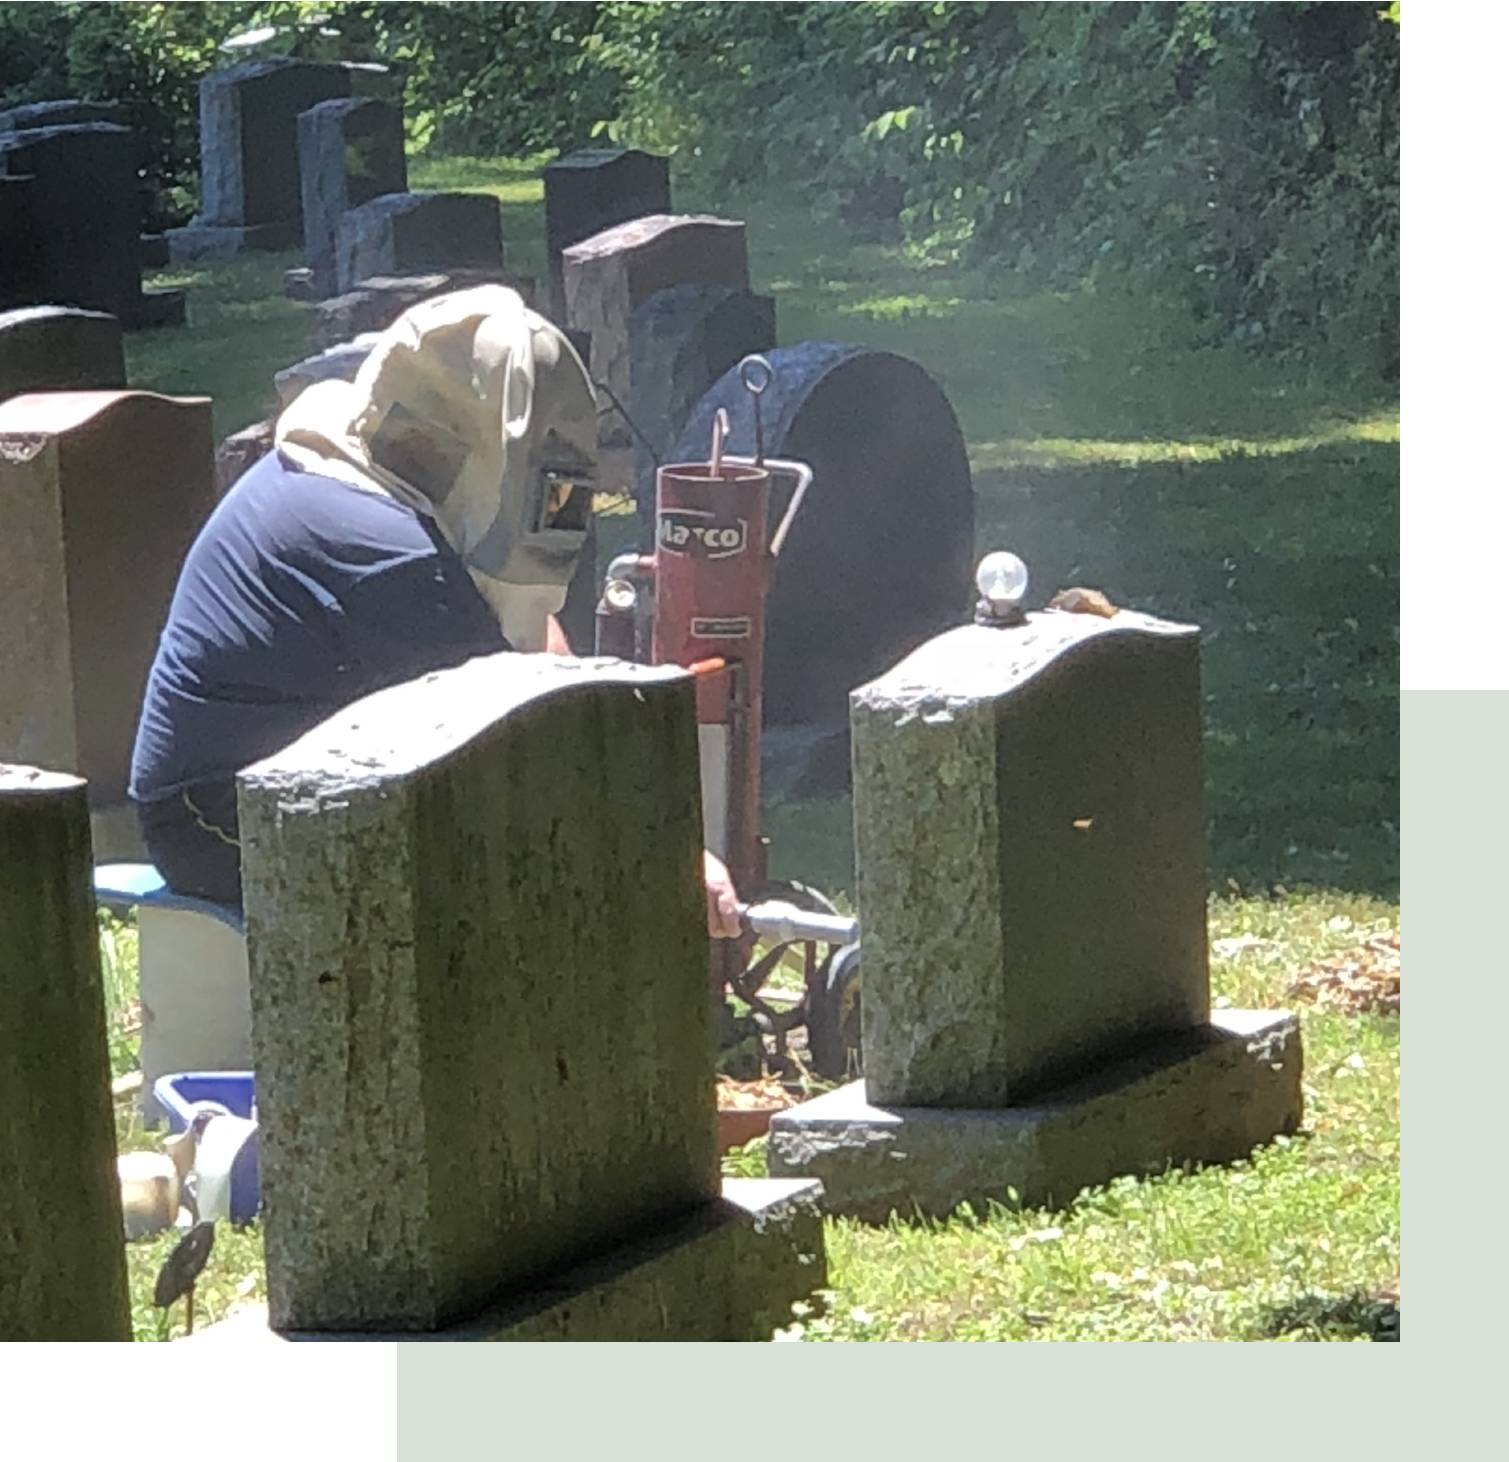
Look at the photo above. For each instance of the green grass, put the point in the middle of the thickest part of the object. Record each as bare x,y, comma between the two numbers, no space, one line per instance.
1208,485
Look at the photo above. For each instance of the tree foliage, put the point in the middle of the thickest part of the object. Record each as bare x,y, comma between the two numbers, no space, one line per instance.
1242,156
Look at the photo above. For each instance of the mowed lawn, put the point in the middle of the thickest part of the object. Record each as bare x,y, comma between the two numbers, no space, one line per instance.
1243,494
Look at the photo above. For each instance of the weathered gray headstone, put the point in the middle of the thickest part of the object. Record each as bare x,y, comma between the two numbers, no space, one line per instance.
249,154
1036,1013
83,214
61,1254
52,348
375,303
1031,854
681,340
404,232
593,189
479,987
351,150
101,494
482,1037
608,276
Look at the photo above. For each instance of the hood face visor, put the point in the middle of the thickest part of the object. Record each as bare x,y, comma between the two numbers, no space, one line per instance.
477,412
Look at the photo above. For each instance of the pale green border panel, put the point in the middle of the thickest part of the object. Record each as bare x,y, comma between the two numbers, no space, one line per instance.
1454,924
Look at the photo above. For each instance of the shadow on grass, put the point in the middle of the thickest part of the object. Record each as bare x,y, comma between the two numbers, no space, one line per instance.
1289,566
1334,1317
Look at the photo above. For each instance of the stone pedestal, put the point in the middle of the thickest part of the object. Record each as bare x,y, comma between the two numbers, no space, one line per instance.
51,348
593,189
351,150
1207,1095
404,232
101,494
61,1253
477,946
730,1270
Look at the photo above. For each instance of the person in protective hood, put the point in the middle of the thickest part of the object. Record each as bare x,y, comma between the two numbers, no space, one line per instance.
431,510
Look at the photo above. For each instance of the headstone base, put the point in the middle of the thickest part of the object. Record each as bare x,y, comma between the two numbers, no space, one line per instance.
208,241
1208,1095
729,1271
155,307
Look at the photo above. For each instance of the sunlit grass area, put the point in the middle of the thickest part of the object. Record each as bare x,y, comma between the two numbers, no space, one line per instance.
1206,483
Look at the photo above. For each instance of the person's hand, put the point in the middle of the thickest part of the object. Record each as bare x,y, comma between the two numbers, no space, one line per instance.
722,901
556,642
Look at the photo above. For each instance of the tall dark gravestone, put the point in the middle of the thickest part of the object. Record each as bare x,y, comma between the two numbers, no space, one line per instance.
250,195
83,215
593,189
350,151
19,265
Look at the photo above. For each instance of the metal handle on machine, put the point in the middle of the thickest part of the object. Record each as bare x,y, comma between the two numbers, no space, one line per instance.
784,923
799,470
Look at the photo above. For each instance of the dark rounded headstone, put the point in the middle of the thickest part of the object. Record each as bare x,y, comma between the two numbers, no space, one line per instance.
880,556
52,348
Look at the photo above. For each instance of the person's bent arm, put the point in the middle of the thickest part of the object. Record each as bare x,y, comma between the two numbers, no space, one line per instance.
722,901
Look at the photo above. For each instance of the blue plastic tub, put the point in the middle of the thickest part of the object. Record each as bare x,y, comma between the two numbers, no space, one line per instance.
236,1091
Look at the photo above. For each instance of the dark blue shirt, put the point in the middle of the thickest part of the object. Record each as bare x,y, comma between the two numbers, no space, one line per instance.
300,595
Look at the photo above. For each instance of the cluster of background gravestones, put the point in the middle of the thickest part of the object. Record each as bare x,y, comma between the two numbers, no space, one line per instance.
1037,1012
659,304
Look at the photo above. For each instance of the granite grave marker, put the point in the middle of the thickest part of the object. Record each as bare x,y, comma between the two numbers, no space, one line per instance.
61,1256
101,494
351,150
484,1059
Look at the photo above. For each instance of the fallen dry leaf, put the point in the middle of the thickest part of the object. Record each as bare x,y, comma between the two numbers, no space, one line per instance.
1360,981
750,1096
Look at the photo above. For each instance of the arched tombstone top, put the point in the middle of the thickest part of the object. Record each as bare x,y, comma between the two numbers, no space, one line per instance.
64,112
53,347
880,556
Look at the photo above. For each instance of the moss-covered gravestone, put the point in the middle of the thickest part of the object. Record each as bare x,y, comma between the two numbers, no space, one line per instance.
484,1060
62,1259
1036,1014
